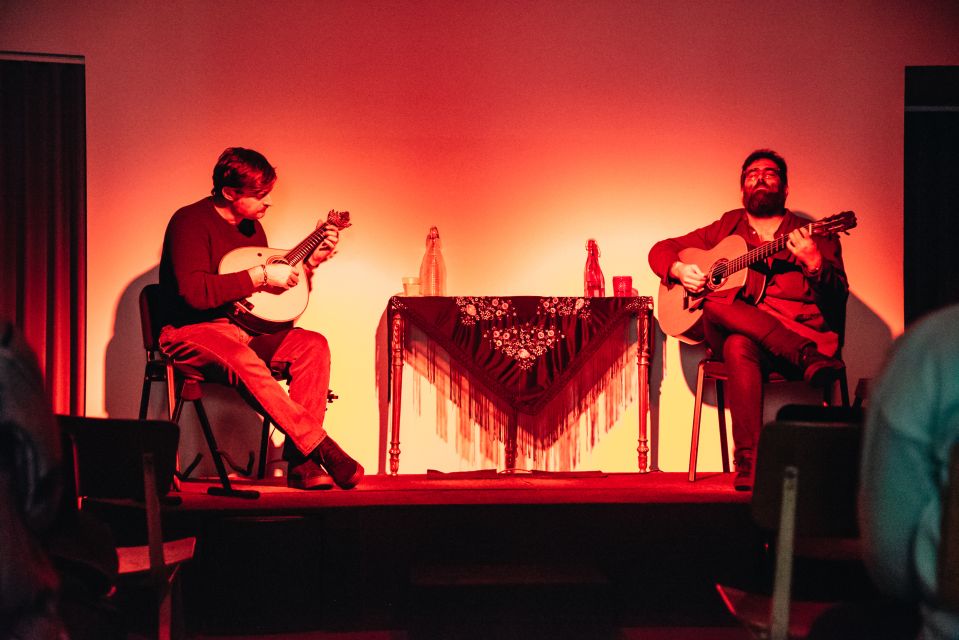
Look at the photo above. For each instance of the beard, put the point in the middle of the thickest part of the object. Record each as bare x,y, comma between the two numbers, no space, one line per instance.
762,202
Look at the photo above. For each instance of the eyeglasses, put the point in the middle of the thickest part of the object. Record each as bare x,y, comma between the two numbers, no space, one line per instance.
754,174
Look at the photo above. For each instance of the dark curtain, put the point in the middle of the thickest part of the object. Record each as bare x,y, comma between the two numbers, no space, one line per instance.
43,217
931,190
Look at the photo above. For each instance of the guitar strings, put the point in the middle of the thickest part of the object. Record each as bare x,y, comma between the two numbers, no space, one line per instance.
723,269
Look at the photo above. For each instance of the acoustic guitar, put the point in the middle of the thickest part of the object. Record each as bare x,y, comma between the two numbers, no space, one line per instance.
680,311
268,311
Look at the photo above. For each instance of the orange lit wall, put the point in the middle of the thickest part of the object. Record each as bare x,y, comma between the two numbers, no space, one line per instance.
520,129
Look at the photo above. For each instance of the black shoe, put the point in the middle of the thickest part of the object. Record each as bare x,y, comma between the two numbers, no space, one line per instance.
308,475
346,471
818,369
744,473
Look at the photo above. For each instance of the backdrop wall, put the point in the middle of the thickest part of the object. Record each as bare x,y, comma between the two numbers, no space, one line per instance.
520,129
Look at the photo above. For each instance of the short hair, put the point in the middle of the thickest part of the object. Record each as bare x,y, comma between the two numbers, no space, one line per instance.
768,154
245,170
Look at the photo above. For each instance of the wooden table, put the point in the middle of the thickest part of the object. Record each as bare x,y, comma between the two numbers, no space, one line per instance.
522,349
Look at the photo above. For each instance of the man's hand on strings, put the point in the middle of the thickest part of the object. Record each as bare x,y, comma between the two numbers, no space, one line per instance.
327,248
281,275
800,244
689,275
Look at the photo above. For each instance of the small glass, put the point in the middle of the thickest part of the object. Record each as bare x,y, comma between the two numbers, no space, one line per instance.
622,286
411,286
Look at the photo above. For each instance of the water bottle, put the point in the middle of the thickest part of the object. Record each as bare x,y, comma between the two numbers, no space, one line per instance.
595,283
433,269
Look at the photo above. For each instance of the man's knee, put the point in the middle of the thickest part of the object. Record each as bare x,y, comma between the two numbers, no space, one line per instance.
715,312
311,347
313,341
739,348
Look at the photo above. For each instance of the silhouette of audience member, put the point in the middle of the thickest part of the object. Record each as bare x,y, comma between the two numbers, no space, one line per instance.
29,495
56,567
912,422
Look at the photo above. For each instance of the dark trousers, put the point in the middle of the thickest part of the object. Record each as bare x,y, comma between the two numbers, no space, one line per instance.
753,344
246,360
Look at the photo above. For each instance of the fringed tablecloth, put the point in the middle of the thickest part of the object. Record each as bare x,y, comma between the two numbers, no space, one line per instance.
533,364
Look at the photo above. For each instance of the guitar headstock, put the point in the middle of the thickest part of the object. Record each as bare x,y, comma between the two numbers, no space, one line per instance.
339,219
839,223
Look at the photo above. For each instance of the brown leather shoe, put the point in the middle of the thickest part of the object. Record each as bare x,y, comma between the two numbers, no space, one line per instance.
818,369
308,475
744,472
346,471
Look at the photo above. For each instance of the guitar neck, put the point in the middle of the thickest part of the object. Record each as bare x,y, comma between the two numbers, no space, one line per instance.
761,252
307,246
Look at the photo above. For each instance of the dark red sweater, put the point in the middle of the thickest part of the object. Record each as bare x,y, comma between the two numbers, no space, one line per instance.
196,239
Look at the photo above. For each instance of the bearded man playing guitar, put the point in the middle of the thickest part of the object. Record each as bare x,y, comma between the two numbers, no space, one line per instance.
785,314
204,310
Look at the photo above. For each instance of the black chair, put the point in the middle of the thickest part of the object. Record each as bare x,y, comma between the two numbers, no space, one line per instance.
807,477
183,384
713,369
119,461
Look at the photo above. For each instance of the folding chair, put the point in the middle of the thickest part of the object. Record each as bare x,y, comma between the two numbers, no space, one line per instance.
807,475
183,384
714,369
131,460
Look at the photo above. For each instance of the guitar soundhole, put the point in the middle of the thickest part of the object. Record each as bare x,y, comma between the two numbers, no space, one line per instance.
717,275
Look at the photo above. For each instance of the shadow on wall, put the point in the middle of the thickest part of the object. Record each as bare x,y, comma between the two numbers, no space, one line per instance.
236,425
656,370
381,368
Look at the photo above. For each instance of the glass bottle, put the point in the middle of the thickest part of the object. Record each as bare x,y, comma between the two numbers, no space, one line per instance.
433,269
593,280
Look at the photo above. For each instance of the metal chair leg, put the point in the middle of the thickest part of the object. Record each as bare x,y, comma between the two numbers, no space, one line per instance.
264,447
721,407
226,488
697,418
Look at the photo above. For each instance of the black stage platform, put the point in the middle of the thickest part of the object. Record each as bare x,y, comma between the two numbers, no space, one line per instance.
480,554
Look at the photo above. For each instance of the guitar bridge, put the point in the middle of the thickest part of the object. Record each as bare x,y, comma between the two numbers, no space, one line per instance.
243,305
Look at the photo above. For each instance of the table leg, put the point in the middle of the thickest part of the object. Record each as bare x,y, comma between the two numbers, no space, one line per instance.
643,350
512,430
396,390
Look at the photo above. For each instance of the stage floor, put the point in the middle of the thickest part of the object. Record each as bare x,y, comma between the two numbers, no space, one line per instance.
475,488
468,555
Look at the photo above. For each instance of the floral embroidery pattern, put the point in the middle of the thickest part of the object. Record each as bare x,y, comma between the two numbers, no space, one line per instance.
527,342
524,343
475,308
557,306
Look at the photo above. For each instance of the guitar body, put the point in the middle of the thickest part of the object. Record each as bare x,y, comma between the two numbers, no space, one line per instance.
265,311
726,267
680,312
269,311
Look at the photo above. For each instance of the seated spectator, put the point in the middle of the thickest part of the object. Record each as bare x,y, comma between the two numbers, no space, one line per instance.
912,422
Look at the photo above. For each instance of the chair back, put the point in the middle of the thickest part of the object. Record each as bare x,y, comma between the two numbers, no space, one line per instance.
115,458
826,455
820,413
807,476
107,455
151,319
